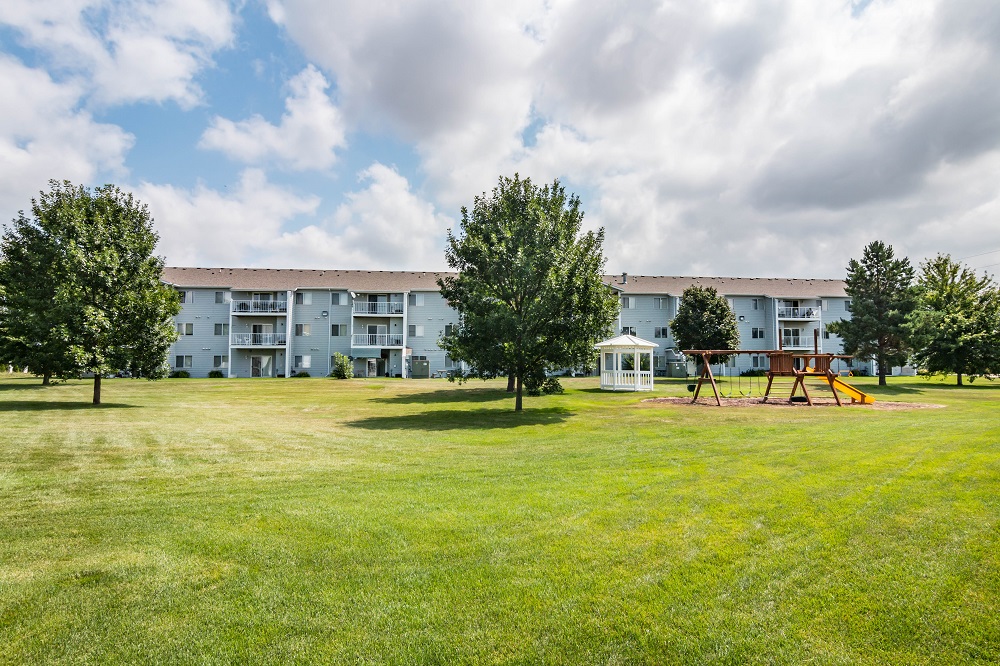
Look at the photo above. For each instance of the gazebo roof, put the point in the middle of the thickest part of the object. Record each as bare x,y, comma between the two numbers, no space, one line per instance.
626,341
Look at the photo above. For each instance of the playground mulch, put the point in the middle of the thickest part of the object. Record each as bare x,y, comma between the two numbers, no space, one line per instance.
709,401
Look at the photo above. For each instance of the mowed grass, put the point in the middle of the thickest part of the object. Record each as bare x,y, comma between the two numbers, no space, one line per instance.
420,522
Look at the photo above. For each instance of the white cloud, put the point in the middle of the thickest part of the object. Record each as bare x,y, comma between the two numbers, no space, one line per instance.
309,133
382,226
141,50
43,135
756,136
206,227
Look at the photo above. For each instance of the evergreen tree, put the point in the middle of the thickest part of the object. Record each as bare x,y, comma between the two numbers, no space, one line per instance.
98,289
705,321
955,326
529,290
880,287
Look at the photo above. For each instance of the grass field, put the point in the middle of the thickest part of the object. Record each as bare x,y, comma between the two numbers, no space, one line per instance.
311,521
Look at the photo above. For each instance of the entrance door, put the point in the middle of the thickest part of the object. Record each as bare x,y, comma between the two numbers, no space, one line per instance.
372,367
260,365
261,334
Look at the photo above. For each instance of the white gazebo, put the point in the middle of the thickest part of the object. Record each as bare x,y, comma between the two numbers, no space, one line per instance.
626,363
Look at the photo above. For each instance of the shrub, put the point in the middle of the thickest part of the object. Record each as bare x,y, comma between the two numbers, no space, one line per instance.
536,386
754,372
302,374
343,367
180,374
215,374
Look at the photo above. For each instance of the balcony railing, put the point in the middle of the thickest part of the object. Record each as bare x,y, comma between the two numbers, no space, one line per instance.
259,307
384,308
798,313
377,340
259,339
796,341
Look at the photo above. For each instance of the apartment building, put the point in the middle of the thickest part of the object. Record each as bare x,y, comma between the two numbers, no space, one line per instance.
248,322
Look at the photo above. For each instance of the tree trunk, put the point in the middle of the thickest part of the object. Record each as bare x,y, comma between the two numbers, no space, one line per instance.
518,406
511,382
97,389
959,379
46,378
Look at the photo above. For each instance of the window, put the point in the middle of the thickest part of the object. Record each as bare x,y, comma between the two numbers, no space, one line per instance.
732,303
185,296
222,329
220,361
755,304
662,303
185,329
303,330
416,300
448,362
757,333
758,362
628,330
661,332
303,298
847,305
183,362
825,304
628,302
449,329
338,330
415,331
826,333
303,361
419,358
337,298
223,297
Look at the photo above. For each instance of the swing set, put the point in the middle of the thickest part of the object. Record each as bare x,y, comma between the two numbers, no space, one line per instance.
781,364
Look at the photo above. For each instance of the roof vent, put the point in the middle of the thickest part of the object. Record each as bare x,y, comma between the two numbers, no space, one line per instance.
624,278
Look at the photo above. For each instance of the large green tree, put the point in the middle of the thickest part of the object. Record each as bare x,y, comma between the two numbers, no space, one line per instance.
528,290
97,305
882,295
705,321
955,326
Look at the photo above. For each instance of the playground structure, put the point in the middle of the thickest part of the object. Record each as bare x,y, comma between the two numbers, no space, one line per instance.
783,364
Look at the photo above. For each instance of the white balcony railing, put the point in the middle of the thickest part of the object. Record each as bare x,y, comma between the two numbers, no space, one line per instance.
377,340
259,307
258,339
796,341
384,308
798,313
629,380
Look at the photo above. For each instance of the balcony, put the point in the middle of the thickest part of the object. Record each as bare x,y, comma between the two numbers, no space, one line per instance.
383,308
259,307
798,313
377,340
796,342
258,340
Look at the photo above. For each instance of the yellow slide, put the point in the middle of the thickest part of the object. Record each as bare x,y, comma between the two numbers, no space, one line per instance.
851,392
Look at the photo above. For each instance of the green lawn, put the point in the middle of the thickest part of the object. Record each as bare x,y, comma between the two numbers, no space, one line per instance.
311,520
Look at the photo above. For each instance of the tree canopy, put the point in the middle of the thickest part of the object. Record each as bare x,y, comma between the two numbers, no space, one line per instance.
529,290
705,321
80,288
955,326
882,295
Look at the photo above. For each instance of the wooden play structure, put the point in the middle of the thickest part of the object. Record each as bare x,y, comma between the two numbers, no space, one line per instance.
783,364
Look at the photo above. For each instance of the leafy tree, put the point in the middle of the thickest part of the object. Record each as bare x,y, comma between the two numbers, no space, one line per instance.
529,290
955,326
880,287
99,290
705,321
343,368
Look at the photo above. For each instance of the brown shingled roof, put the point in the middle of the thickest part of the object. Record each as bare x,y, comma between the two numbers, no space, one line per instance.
245,279
730,286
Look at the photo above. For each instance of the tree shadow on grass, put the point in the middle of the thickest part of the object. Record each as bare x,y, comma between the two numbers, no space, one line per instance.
464,419
47,405
22,385
446,395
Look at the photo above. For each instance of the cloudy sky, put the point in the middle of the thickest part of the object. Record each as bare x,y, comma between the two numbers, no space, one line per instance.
709,137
